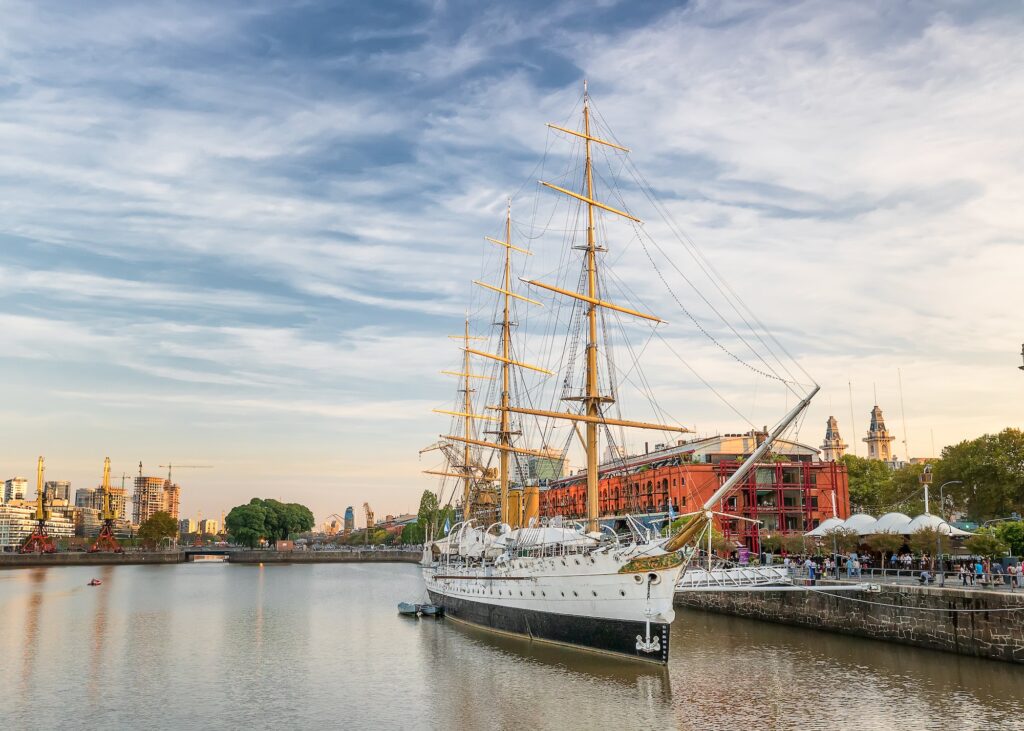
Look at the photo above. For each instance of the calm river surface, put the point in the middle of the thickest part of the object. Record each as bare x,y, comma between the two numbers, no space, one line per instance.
304,646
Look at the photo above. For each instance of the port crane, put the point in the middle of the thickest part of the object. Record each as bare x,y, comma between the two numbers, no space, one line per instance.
106,541
39,541
369,522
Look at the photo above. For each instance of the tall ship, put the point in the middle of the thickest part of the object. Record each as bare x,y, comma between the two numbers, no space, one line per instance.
586,583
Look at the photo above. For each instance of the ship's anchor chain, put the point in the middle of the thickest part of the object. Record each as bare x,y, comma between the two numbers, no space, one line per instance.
647,644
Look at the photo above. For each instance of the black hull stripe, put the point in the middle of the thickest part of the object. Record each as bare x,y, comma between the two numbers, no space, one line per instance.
611,636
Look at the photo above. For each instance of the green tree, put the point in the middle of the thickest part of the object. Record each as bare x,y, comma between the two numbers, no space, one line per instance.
158,526
905,491
1012,534
991,468
985,543
794,543
247,524
870,482
426,517
270,519
412,534
884,543
928,540
844,539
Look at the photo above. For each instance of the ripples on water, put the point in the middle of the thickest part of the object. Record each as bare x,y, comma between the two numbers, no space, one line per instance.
219,647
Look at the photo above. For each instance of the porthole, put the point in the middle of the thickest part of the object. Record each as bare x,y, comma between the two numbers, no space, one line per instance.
594,593
533,593
543,594
622,593
575,594
520,593
563,593
638,578
654,578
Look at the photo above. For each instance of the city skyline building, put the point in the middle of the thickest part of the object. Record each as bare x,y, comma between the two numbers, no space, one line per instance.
148,498
57,490
18,522
172,499
85,497
15,489
209,526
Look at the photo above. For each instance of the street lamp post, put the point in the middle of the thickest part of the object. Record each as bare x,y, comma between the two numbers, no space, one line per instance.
938,536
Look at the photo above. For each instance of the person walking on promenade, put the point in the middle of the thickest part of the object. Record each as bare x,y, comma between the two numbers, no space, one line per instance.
963,575
979,572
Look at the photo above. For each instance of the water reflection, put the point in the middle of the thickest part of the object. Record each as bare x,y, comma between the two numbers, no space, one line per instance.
537,684
322,646
97,661
34,606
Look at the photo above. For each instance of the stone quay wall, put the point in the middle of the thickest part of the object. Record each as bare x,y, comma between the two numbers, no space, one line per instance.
967,622
24,560
324,556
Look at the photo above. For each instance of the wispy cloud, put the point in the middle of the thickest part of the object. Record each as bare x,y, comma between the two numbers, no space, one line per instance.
267,215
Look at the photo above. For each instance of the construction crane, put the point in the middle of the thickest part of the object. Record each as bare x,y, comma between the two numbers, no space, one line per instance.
369,522
39,541
106,541
182,467
337,520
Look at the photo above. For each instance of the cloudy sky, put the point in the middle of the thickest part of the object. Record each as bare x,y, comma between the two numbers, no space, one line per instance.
236,234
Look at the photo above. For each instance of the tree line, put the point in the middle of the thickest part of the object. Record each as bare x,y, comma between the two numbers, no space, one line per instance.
989,470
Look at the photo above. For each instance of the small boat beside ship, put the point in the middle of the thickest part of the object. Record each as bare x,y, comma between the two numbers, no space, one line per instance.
409,609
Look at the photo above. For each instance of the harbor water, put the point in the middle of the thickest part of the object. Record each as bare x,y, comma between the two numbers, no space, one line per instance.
301,646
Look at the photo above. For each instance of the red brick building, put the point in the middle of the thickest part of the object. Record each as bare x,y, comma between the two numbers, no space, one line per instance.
792,493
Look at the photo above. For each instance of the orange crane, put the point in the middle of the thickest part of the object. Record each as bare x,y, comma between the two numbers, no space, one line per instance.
39,541
369,522
106,541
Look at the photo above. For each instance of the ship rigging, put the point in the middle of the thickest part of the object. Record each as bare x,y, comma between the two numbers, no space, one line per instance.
587,585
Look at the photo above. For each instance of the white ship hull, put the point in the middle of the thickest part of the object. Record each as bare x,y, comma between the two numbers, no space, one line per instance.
603,600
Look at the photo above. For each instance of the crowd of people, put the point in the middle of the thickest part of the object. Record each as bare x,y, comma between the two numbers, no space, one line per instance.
974,571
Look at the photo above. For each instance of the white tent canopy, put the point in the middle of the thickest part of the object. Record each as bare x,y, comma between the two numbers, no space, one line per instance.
830,524
894,523
860,522
927,520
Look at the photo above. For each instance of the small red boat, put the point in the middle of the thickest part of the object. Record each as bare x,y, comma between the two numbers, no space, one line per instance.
95,582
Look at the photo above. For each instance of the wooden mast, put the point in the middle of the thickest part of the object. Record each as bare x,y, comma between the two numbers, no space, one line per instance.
592,416
504,435
467,404
504,432
593,397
